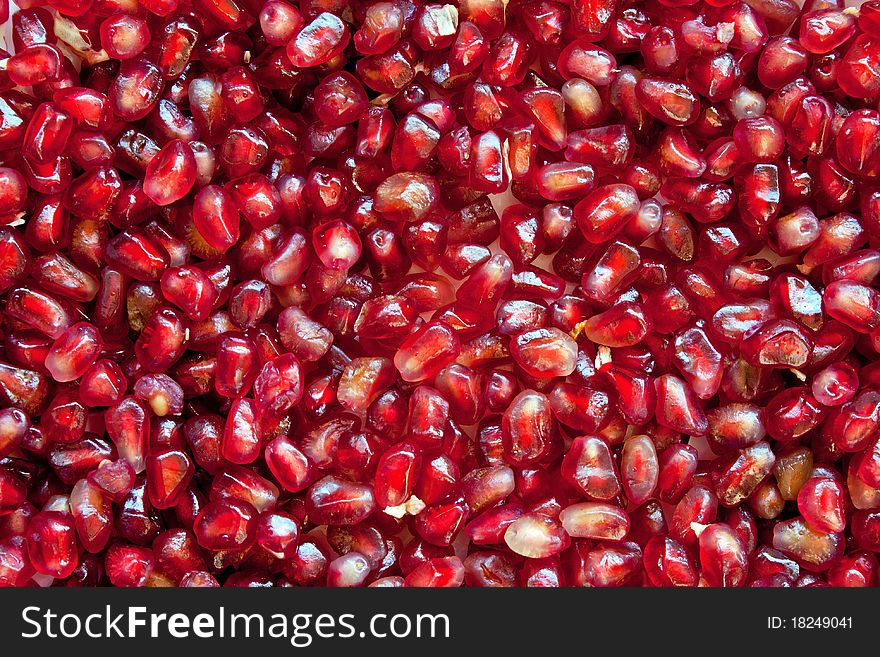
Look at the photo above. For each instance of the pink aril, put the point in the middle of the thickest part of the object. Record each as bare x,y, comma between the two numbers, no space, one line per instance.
426,351
226,524
589,466
723,556
639,468
814,551
667,563
242,435
622,325
396,473
536,536
52,544
127,425
856,305
319,41
74,352
605,211
334,501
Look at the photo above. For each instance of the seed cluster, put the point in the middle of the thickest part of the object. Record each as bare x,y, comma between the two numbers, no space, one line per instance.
262,324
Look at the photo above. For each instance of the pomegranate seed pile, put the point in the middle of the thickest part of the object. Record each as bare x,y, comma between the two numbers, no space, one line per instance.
264,322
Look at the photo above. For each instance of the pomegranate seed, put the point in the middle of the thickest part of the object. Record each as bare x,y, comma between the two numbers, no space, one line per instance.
52,544
226,524
34,64
536,536
595,520
723,556
74,352
319,41
129,565
811,549
333,501
589,466
124,36
544,352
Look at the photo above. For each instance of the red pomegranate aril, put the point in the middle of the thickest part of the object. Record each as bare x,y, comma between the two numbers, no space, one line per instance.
528,428
289,465
162,340
588,465
426,351
102,384
777,343
124,36
678,408
279,22
226,524
792,413
363,380
319,41
536,536
127,425
639,468
396,472
14,425
605,211
814,551
544,352
34,64
168,474
47,134
334,501
854,570
677,466
723,556
65,419
667,563
115,478
738,474
171,174
14,256
623,325
236,366
241,483
52,544
74,352
137,255
857,306
336,244
856,422
595,520
278,533
242,439
13,491
821,503
607,564
136,88
836,384
436,573
190,289
128,565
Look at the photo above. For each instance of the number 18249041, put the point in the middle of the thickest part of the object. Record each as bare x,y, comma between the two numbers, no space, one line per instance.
810,623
